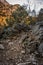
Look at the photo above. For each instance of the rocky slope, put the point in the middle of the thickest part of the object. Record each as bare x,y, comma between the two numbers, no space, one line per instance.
24,48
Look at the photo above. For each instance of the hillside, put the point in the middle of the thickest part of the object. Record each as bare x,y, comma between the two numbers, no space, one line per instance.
6,10
21,36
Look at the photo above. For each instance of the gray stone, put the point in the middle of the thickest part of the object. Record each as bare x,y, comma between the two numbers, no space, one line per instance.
26,63
1,46
40,49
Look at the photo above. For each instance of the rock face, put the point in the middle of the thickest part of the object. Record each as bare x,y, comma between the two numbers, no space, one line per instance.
4,2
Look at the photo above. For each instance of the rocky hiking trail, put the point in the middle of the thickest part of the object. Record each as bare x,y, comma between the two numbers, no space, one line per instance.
25,48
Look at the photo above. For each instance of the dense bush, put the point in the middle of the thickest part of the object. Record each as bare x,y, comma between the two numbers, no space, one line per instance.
20,14
16,23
